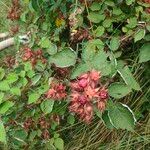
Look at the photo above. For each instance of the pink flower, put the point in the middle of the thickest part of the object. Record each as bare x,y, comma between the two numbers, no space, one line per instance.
101,105
83,83
51,93
85,89
57,91
103,94
91,92
95,75
82,100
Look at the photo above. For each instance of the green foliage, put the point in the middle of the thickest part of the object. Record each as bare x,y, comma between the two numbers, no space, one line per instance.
114,43
47,106
139,35
3,133
144,54
121,116
128,78
74,38
5,106
118,90
33,97
64,58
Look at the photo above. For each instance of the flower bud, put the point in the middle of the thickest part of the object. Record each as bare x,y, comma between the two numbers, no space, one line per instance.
83,83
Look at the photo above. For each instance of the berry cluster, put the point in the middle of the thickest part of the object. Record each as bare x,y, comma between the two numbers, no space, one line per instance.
42,123
86,91
33,56
80,35
57,91
14,12
148,8
9,61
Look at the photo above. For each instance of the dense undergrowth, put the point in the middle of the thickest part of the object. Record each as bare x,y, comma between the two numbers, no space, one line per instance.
82,81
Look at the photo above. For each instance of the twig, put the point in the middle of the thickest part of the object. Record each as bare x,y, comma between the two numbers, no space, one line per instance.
24,39
4,35
6,43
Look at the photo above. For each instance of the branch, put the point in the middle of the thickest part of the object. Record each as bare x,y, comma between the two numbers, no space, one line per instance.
4,35
6,43
11,41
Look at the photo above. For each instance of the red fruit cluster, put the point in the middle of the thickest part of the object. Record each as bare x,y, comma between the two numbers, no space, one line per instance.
28,124
80,35
14,12
84,92
9,61
147,1
147,9
33,56
60,73
57,91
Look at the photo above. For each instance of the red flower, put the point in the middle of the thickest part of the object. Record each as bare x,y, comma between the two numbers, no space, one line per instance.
57,91
101,105
85,90
95,75
82,107
83,82
91,92
103,94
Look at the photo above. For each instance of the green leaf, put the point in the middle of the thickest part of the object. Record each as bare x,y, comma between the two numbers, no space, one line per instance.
40,66
71,119
2,73
47,106
33,97
2,133
23,16
15,91
99,31
96,44
22,74
118,90
129,2
139,35
56,135
52,49
59,144
95,6
11,78
5,106
30,73
96,17
36,78
1,97
65,58
23,81
101,64
20,135
45,42
114,43
43,88
80,69
128,78
36,4
121,116
27,66
110,3
107,23
89,51
144,55
107,121
4,86
117,11
132,22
